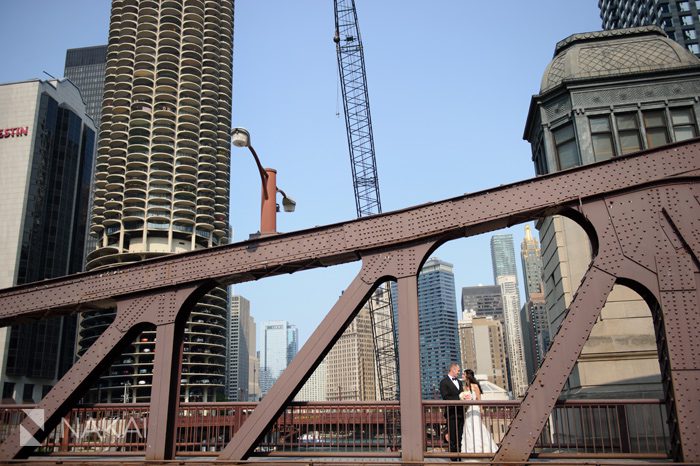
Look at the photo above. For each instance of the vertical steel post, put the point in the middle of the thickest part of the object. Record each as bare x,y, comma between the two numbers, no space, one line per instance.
409,371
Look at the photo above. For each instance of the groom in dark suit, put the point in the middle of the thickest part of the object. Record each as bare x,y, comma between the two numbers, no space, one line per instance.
450,388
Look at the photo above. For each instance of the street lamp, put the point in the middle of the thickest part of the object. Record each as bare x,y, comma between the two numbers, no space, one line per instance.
240,137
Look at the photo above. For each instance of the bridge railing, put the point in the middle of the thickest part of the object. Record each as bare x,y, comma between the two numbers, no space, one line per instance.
582,428
576,428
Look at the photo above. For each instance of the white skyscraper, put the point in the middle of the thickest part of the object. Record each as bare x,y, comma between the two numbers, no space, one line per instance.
504,271
514,334
315,388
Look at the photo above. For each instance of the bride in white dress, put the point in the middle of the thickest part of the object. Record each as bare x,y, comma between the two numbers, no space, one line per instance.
476,437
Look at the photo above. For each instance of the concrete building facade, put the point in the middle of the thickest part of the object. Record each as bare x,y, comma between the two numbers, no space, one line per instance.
46,153
162,173
505,276
239,347
603,95
350,364
532,315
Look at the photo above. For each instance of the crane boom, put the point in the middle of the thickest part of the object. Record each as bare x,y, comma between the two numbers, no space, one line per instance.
358,124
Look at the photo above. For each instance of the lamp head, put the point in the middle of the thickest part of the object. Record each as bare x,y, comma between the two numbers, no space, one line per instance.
240,137
288,204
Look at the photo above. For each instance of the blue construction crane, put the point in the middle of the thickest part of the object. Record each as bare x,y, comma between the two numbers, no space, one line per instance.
358,123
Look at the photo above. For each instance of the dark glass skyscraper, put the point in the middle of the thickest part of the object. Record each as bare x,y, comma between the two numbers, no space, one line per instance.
85,67
437,320
678,18
484,300
45,169
503,256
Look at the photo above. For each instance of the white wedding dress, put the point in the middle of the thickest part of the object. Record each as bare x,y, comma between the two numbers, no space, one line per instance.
476,437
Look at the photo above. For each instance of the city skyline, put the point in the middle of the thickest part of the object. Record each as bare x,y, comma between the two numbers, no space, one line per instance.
454,100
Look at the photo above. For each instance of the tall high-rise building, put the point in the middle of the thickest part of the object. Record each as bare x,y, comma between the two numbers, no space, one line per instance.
162,172
437,320
532,264
46,154
316,386
467,345
533,318
279,342
490,350
678,18
606,94
484,300
534,325
85,67
503,256
239,349
505,276
350,364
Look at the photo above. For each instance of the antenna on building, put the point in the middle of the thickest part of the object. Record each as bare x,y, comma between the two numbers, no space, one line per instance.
50,75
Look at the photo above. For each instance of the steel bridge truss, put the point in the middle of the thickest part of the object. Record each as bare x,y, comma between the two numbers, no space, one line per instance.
641,213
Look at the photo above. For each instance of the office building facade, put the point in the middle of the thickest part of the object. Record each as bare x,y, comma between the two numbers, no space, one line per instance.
162,173
505,276
85,67
503,256
437,320
606,94
350,364
484,300
490,350
239,347
279,342
532,315
46,154
678,18
316,386
531,259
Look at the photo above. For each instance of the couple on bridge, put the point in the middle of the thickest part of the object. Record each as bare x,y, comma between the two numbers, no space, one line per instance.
465,434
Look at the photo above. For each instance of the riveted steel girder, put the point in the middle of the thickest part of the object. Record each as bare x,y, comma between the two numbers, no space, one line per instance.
640,211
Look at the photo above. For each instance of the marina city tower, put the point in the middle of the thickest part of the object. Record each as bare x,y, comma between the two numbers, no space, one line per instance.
162,173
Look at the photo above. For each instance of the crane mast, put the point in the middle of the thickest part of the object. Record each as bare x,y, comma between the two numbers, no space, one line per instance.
358,124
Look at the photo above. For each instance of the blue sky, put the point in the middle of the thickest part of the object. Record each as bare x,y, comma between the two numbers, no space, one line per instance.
449,81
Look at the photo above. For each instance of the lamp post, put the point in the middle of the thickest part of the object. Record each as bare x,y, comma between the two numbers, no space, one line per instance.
240,137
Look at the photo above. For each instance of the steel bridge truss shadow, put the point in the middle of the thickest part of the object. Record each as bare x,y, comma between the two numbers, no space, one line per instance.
641,213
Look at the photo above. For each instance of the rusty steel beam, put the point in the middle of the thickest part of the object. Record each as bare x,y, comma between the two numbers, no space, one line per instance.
134,314
638,245
346,242
376,268
624,205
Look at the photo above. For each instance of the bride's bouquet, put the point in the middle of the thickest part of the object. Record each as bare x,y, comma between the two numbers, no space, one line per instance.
465,395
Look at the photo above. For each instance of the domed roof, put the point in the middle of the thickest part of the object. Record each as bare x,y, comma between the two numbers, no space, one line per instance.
615,52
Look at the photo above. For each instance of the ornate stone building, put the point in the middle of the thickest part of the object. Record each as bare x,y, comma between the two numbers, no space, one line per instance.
606,94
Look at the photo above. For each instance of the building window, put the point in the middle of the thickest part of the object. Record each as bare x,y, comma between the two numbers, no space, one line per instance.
655,126
602,138
690,34
687,20
28,393
565,142
8,391
683,6
628,130
683,123
694,48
